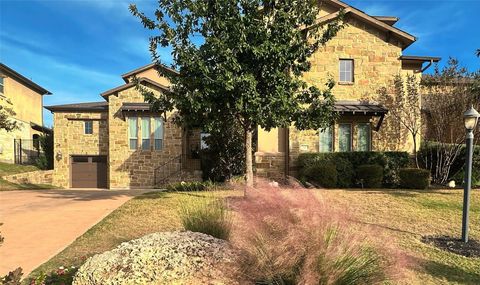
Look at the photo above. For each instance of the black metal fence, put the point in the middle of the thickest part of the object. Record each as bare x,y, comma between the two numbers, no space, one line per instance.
26,151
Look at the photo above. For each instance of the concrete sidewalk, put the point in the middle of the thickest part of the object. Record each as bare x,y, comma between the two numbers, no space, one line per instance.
38,224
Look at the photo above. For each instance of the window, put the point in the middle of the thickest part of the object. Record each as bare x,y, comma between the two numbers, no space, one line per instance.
326,140
1,84
146,133
133,133
363,137
88,127
158,133
345,137
346,70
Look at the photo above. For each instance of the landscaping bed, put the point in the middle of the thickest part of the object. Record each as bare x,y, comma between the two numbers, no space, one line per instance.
404,216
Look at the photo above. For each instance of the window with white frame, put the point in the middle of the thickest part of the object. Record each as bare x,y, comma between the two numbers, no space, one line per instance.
346,70
158,133
326,140
345,137
133,133
88,127
363,137
146,133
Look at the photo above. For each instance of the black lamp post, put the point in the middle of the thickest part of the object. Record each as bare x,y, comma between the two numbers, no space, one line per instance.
470,118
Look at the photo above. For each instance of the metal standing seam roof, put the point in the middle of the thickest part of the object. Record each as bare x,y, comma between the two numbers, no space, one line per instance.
80,107
135,107
359,107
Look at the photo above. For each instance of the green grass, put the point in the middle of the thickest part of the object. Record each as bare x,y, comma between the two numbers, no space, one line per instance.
403,216
9,169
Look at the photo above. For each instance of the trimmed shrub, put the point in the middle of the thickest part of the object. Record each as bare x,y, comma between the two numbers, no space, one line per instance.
209,216
346,162
370,175
413,178
322,174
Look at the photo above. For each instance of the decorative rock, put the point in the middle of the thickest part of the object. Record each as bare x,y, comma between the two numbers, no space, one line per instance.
162,258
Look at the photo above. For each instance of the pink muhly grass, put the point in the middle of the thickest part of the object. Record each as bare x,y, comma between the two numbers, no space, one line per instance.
289,236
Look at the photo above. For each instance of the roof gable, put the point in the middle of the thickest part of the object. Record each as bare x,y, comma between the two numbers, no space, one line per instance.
382,23
22,79
143,81
157,67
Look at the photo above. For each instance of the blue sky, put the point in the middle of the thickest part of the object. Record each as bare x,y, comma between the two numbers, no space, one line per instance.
79,48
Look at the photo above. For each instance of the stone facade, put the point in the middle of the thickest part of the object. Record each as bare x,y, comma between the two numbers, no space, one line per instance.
35,177
376,60
70,139
136,169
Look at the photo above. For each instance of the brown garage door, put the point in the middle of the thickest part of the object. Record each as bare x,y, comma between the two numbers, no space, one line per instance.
89,172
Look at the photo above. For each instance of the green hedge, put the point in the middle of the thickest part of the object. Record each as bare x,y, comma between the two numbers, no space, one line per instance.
370,175
346,163
323,174
414,178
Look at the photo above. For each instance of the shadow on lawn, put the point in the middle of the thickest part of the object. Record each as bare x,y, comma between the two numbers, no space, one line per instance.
454,274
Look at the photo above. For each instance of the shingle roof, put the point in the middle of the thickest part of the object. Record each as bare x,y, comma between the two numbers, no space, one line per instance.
359,108
80,107
141,80
146,67
22,79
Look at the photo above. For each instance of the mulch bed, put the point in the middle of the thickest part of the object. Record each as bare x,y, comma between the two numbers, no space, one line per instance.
455,245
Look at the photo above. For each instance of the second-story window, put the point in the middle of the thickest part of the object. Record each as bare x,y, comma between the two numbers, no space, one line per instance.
346,70
88,127
146,133
2,80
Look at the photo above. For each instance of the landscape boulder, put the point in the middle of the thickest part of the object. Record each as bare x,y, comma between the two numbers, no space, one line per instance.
180,257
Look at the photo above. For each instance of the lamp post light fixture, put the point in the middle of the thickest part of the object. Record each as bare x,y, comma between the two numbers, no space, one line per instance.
471,119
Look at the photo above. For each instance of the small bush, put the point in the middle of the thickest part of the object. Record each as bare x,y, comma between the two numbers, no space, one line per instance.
370,175
209,216
190,186
288,236
413,178
62,275
323,174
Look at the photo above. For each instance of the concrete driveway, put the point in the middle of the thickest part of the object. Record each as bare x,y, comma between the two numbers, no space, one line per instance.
38,224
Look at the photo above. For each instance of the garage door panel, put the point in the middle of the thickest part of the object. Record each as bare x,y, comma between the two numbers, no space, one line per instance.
89,172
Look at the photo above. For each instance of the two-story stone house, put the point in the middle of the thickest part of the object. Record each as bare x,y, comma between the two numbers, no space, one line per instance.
26,100
120,143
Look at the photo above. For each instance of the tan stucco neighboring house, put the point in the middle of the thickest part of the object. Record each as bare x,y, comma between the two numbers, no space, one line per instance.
120,143
26,99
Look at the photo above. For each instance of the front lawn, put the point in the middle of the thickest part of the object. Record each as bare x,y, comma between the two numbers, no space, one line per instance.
9,169
405,216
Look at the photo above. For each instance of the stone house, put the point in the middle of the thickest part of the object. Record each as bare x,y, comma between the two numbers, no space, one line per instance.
120,143
25,98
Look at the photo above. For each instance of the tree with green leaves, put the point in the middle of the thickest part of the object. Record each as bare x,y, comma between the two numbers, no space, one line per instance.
6,115
242,60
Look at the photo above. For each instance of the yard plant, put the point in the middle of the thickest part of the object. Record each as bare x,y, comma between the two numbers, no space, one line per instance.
242,61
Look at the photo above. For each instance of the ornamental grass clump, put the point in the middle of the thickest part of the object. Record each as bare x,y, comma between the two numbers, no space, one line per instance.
288,236
208,215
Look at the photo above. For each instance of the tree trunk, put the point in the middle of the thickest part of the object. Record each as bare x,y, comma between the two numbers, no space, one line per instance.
415,150
248,158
